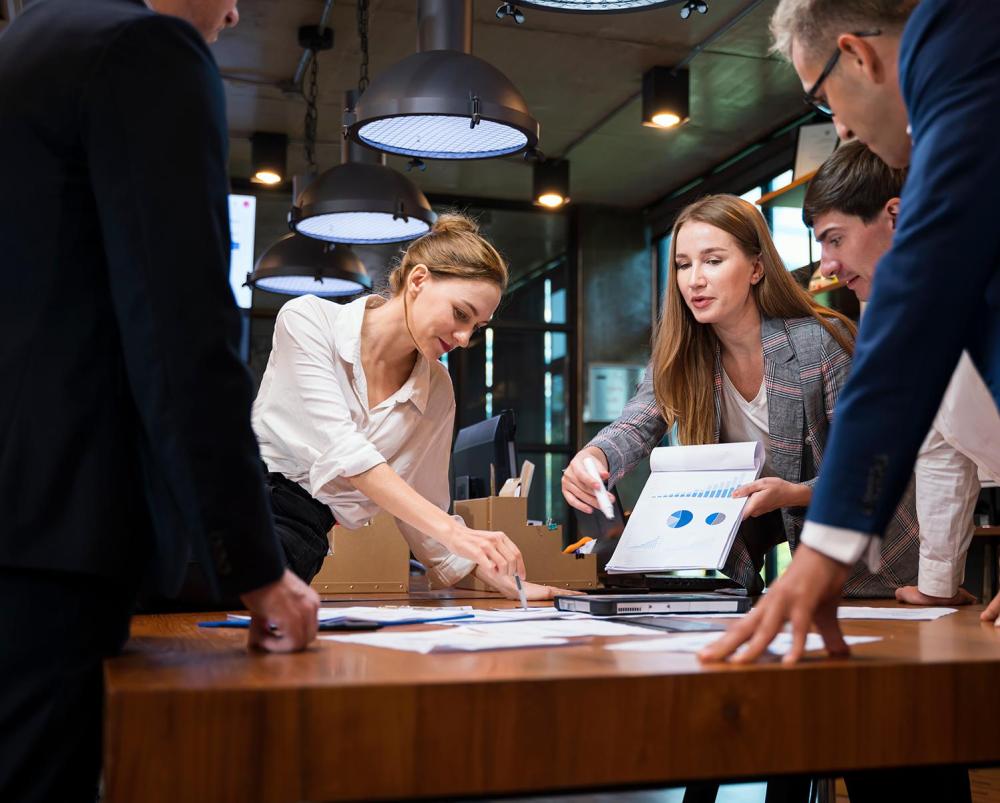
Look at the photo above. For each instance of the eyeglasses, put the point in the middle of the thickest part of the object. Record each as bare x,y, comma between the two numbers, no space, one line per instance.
822,103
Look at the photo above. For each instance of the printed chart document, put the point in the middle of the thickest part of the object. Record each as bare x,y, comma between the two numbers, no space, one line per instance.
686,517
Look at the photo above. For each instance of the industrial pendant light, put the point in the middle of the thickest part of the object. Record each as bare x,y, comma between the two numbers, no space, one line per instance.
296,265
583,6
361,200
442,102
551,183
665,97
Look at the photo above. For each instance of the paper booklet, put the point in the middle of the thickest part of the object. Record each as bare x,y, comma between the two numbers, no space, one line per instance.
686,517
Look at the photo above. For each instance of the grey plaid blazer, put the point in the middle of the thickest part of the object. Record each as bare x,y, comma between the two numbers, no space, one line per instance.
804,370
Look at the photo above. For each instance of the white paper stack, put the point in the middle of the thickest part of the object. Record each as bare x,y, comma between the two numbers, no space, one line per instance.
686,517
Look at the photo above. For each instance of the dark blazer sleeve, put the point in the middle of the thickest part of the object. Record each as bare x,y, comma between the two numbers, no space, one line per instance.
155,139
936,290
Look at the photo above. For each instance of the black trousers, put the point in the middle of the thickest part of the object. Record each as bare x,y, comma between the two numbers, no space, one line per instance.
56,629
302,524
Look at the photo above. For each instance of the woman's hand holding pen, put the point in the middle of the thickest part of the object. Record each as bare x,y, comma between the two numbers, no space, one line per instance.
493,550
772,493
578,486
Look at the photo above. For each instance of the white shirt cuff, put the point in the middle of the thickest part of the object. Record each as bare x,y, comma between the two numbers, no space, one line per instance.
843,545
940,578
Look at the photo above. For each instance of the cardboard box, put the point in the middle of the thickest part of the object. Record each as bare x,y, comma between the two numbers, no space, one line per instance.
540,546
373,558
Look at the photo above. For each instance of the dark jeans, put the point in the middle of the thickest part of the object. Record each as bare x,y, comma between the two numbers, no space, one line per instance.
56,629
302,524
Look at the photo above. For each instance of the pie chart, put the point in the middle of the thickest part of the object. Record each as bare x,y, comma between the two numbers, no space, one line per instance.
679,518
715,518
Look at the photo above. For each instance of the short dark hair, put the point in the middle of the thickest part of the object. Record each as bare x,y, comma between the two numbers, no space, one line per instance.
854,181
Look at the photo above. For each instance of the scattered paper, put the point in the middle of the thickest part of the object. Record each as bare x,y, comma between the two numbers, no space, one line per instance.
388,614
562,628
696,642
901,614
453,639
500,615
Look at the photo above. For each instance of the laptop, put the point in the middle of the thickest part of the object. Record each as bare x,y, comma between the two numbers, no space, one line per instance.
631,604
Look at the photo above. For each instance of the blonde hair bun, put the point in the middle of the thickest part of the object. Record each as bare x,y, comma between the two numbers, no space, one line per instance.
452,249
454,223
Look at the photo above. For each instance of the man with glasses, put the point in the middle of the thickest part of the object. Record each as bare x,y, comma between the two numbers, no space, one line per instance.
892,70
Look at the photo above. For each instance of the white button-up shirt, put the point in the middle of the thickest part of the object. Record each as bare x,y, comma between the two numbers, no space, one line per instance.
314,425
963,443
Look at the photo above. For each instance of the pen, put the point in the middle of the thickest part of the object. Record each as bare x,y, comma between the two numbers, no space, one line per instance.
602,494
520,592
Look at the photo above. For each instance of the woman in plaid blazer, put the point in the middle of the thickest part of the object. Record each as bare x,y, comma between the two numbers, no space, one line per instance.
735,321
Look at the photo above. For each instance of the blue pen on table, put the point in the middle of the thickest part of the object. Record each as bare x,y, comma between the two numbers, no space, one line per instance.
344,623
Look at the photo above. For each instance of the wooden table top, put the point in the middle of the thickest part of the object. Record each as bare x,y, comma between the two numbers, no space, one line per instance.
192,716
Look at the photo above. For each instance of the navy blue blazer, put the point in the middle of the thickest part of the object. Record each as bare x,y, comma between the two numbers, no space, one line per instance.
937,291
125,440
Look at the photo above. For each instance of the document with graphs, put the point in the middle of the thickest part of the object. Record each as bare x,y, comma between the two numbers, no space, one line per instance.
686,516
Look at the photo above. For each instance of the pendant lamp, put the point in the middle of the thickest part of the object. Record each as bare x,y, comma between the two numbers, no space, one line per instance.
597,6
296,265
442,102
361,200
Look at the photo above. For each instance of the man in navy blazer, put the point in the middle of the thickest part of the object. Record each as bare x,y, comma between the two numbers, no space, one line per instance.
918,84
125,440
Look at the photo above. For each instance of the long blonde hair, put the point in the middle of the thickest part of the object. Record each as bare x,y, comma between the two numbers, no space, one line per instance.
684,350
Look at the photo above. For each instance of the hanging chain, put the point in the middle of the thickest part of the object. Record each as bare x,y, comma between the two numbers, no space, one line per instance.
311,96
363,37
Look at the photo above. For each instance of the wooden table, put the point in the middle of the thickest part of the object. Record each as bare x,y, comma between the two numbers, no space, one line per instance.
191,716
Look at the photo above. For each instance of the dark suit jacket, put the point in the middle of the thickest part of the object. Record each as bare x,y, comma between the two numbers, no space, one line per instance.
125,441
937,291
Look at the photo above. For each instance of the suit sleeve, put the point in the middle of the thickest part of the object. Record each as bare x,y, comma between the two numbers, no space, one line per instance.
156,147
928,297
634,434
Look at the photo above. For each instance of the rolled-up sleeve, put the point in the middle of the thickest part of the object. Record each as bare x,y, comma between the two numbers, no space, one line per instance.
429,478
309,418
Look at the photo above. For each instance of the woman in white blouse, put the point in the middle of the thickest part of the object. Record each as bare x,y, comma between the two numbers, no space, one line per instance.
355,412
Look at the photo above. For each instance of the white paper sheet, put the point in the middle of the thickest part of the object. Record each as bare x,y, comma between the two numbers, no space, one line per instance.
452,639
499,615
562,628
696,642
899,614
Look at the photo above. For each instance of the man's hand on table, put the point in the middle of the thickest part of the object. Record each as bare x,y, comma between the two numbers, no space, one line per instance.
283,615
911,595
808,593
992,612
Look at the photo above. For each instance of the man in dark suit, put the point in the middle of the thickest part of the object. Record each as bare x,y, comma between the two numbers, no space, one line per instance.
125,442
918,84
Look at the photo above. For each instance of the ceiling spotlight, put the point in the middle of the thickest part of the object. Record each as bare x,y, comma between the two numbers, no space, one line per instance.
694,5
510,10
361,200
550,183
296,265
597,6
442,102
268,155
665,97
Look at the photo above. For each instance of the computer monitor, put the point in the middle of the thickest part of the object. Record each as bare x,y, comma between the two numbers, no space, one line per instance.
490,442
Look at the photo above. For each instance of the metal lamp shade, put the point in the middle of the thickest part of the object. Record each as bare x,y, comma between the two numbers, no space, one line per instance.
363,204
444,104
296,265
597,6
